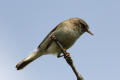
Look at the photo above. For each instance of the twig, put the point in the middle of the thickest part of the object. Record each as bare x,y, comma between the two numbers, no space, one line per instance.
67,58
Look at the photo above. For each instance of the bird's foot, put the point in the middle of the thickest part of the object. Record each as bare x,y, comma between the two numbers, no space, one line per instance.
59,55
53,37
66,55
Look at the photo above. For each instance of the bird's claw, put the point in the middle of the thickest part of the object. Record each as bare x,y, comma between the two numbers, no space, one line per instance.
66,55
53,37
59,56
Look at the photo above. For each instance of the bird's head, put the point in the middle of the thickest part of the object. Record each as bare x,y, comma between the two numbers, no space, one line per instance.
83,26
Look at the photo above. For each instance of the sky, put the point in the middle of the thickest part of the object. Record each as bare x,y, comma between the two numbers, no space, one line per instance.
25,23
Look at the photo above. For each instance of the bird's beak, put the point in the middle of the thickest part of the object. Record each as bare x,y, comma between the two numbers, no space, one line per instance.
89,32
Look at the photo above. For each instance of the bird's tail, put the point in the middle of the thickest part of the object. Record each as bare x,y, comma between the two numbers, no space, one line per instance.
29,59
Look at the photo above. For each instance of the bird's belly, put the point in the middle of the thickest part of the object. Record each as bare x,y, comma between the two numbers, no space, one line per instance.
66,41
53,48
66,37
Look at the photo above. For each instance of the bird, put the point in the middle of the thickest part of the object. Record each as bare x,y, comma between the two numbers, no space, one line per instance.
67,32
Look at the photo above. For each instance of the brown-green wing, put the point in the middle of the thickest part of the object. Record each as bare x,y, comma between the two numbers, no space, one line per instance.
47,41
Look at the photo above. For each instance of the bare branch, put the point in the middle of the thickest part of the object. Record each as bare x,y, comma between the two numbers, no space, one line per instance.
67,58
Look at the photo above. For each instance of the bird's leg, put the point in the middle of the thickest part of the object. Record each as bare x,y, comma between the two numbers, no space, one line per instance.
59,55
53,37
67,58
62,55
67,54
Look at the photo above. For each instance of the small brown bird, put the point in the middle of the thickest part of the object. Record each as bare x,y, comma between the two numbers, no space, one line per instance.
67,32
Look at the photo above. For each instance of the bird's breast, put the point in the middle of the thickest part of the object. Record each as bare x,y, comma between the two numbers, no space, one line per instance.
67,36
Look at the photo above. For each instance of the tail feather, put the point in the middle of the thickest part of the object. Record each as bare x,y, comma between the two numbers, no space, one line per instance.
29,59
22,64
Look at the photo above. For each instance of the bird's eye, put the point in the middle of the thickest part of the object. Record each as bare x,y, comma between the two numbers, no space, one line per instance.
84,27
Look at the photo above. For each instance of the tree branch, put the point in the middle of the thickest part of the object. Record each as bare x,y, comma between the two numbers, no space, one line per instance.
67,58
